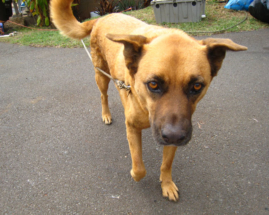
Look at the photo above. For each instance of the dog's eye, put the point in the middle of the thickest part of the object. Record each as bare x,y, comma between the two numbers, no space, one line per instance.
197,87
153,86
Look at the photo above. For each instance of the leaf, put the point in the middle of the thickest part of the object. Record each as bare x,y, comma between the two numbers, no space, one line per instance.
47,21
38,20
45,11
42,3
32,6
28,2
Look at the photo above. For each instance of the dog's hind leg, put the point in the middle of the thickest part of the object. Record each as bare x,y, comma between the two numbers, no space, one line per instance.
102,82
169,188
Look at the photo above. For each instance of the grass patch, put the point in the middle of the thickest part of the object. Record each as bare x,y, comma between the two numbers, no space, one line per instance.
217,19
42,38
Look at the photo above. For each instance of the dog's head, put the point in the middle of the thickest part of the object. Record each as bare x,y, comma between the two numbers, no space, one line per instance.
171,73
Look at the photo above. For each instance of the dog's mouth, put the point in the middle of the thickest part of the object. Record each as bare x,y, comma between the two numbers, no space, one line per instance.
172,135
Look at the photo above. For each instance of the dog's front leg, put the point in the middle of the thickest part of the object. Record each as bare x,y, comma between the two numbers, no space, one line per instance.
169,188
102,83
138,170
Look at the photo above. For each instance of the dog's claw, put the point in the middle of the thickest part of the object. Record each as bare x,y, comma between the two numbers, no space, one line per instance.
170,190
107,119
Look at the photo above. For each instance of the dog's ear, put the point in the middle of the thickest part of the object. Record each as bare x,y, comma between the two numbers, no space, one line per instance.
217,49
132,48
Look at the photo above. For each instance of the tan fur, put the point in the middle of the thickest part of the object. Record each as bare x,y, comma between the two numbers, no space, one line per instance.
140,55
63,19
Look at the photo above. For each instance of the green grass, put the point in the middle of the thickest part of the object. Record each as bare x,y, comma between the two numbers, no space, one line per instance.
217,19
42,38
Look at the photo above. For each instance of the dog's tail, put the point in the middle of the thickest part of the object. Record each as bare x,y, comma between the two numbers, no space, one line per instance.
63,18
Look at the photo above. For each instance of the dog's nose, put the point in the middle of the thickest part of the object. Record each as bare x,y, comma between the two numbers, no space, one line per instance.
173,134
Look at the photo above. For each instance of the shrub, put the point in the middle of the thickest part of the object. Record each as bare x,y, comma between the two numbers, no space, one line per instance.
110,6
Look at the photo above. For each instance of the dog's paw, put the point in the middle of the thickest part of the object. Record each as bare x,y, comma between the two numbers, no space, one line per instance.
107,119
170,190
138,175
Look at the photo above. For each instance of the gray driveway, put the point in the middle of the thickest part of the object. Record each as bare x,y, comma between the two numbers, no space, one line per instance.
57,156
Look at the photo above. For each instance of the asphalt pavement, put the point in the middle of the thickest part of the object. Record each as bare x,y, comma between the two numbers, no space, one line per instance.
58,157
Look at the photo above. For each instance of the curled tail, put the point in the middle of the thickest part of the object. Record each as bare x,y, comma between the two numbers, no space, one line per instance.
63,18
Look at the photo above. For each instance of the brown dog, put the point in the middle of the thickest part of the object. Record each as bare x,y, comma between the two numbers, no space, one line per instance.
168,71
